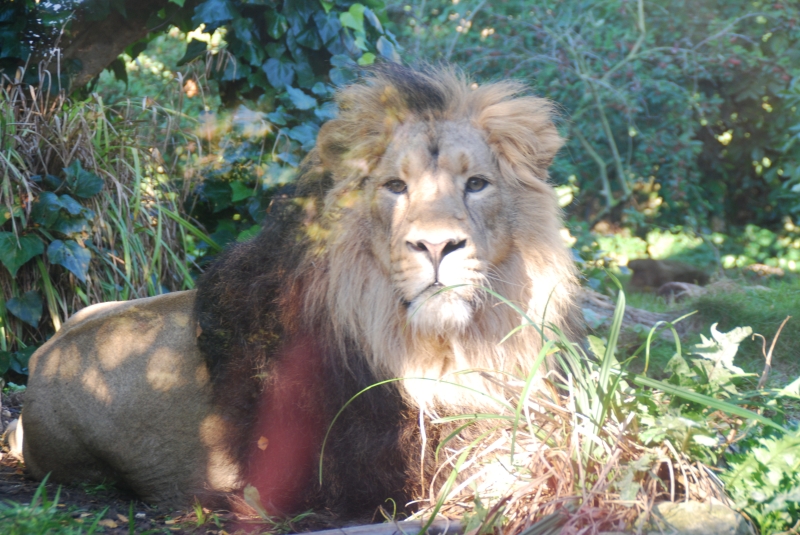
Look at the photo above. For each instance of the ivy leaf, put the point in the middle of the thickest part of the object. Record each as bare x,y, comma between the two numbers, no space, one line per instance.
341,77
70,225
81,182
373,19
321,90
275,50
309,38
27,307
118,68
71,255
368,58
327,111
353,18
218,193
278,73
14,252
194,50
386,49
306,134
597,346
341,60
46,208
328,26
72,206
213,13
300,100
278,116
248,233
240,191
20,359
276,24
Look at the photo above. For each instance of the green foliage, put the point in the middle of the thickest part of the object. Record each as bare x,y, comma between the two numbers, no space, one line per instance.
763,479
25,26
286,62
43,516
677,112
86,215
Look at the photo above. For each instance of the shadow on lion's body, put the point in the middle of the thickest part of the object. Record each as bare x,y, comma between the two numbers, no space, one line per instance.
419,194
105,390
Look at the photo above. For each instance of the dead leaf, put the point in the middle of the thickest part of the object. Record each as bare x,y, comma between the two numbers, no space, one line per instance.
263,442
170,522
253,499
123,518
107,523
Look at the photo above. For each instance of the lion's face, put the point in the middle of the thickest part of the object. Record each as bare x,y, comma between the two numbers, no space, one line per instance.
443,220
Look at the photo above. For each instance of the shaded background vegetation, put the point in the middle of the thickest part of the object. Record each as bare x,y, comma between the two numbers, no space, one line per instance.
138,142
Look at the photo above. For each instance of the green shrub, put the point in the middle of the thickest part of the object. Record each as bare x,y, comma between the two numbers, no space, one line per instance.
88,215
677,112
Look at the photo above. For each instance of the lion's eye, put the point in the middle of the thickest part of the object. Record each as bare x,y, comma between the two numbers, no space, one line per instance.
476,183
396,186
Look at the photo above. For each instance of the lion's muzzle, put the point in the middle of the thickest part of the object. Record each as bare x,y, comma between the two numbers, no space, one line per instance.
435,253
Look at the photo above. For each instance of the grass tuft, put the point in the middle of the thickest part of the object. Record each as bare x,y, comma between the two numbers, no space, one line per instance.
115,229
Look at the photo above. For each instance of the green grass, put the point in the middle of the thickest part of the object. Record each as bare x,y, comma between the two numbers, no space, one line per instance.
43,516
763,309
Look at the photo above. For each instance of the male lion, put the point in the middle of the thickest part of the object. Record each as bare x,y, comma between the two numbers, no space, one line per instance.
422,194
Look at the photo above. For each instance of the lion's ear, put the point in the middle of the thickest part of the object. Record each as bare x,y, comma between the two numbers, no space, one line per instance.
522,134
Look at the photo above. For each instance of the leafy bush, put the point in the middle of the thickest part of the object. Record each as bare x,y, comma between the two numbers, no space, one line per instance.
87,215
677,112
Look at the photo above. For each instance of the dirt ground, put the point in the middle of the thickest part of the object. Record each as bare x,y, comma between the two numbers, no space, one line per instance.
85,501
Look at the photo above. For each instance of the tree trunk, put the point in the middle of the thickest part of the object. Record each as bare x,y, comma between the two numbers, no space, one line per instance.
96,41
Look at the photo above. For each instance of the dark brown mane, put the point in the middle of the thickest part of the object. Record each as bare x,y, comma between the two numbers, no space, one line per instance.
248,308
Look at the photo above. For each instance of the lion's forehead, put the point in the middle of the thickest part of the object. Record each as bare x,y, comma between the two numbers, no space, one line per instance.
455,147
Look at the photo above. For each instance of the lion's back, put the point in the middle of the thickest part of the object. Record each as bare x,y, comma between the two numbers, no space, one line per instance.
108,394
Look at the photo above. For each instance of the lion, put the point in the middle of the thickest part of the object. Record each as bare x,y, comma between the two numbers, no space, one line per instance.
304,361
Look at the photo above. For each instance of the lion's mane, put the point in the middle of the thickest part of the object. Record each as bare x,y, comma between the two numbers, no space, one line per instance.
309,285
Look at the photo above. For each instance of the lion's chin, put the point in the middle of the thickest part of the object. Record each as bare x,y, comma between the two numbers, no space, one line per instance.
440,314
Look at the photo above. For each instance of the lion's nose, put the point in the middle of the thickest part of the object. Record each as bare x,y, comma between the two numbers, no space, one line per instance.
436,251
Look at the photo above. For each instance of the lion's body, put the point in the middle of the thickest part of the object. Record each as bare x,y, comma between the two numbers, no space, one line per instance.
105,392
422,194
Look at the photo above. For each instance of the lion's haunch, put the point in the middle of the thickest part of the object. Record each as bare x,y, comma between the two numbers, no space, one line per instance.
289,430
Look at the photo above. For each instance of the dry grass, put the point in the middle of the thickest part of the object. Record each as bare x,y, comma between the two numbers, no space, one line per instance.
551,471
566,455
140,245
